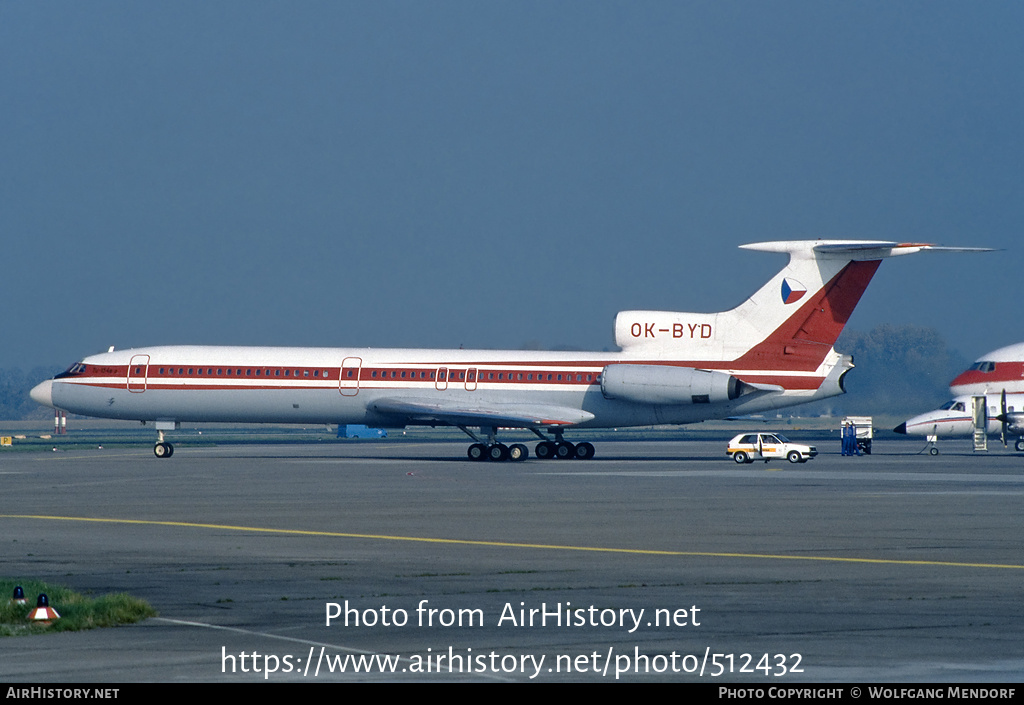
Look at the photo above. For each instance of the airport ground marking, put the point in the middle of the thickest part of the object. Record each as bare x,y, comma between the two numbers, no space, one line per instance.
511,544
295,640
266,635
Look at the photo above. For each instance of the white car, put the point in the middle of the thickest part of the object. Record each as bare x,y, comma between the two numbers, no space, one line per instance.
748,447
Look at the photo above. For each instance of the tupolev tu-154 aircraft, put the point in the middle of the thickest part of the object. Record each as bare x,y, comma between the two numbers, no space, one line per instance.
772,351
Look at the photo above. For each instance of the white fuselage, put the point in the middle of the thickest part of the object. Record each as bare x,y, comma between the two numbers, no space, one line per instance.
998,371
340,385
955,418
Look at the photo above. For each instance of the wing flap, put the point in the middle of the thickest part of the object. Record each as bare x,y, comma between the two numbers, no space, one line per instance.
495,414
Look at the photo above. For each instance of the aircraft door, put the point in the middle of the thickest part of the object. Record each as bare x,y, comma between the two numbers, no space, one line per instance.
441,381
979,416
471,379
348,379
770,446
138,368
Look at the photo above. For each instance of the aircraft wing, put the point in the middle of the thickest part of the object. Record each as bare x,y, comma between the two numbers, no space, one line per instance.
487,414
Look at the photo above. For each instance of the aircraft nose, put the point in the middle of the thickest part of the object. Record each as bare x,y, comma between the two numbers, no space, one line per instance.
902,428
42,393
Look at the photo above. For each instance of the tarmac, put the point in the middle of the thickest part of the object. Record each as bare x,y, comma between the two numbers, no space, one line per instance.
404,561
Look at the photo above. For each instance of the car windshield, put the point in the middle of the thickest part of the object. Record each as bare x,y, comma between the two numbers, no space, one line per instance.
782,439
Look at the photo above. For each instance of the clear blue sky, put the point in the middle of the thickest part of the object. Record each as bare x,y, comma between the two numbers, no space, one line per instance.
492,173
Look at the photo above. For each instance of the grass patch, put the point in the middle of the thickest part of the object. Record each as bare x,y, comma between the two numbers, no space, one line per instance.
77,612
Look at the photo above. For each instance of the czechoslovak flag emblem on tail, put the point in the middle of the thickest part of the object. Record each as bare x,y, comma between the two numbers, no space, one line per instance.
792,290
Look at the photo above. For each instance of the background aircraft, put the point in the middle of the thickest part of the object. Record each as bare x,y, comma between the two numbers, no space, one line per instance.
998,377
998,371
774,350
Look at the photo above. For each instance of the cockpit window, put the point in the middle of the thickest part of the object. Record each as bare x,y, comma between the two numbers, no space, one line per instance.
984,366
953,405
76,369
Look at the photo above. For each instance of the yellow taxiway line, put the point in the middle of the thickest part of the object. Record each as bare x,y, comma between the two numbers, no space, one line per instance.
510,544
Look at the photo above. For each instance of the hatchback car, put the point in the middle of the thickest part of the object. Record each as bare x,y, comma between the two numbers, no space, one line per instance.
748,447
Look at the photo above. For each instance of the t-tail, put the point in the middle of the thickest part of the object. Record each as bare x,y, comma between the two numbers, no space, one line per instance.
783,335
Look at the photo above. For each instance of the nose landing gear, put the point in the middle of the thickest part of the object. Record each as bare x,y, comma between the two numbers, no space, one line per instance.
162,449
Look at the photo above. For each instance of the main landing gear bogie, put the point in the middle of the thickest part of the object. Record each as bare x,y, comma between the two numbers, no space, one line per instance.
564,450
498,452
559,449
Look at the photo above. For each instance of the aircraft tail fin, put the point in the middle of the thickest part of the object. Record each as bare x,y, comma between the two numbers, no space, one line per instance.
791,322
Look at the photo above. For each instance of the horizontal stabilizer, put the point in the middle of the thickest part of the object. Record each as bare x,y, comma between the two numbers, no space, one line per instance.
854,249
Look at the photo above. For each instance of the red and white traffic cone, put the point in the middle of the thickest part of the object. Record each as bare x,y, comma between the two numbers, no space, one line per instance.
43,612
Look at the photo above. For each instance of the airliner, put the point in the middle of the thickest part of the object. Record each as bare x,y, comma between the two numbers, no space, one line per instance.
999,377
772,351
998,371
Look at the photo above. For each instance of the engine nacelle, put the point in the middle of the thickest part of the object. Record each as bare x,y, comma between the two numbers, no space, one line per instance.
665,384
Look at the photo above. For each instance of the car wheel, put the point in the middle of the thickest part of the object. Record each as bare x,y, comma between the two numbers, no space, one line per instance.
740,457
794,456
